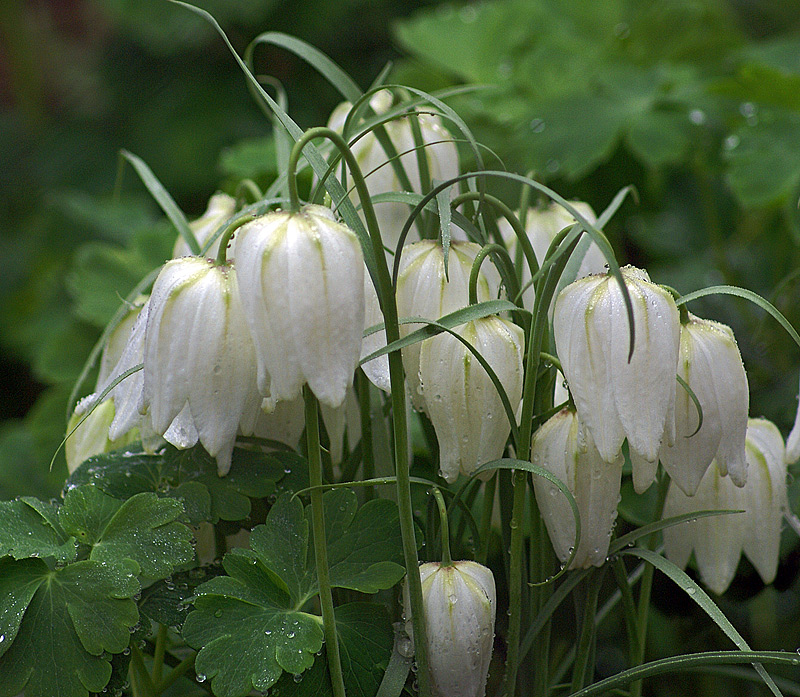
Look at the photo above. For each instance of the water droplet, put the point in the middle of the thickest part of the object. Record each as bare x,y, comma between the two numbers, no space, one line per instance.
697,117
217,613
732,142
200,677
537,125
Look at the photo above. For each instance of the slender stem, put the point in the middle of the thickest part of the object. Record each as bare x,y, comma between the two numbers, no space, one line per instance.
178,671
645,588
133,677
445,527
486,518
365,415
587,638
145,683
320,542
501,255
158,654
225,237
386,296
628,606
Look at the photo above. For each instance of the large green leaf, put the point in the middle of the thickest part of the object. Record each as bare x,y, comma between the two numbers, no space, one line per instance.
144,530
58,625
250,625
29,528
191,475
365,644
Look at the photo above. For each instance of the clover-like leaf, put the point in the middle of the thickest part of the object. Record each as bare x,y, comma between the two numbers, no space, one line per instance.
250,626
248,630
168,602
144,529
365,646
191,476
57,625
30,528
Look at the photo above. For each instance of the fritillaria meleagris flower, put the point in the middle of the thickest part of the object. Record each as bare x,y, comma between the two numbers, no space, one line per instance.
718,541
423,290
793,441
302,282
618,398
459,602
220,208
711,365
462,401
198,356
565,448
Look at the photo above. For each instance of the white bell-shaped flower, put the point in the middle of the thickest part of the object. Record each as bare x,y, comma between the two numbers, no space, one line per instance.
220,208
718,541
461,400
199,359
91,436
793,441
423,290
440,154
619,398
564,448
376,370
302,281
542,225
711,365
459,601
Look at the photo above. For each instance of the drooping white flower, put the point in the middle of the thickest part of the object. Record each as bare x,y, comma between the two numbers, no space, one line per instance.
220,208
619,398
199,360
565,449
440,153
710,363
542,225
718,541
459,601
793,441
376,370
302,282
423,290
461,400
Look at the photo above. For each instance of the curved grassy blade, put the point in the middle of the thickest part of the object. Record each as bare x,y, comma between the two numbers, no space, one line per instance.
394,679
616,202
695,401
687,662
310,152
509,463
552,604
697,594
311,55
454,319
789,687
162,197
754,298
626,540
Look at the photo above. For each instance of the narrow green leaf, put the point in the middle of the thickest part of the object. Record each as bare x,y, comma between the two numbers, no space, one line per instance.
162,197
689,661
697,594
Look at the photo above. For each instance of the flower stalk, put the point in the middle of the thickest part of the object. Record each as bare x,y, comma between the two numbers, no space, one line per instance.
320,543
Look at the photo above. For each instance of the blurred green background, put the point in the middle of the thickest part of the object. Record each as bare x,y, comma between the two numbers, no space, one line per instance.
696,103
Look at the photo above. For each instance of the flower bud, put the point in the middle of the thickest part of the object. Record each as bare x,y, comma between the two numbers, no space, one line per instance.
423,290
541,226
618,398
220,208
463,403
718,541
440,152
564,448
459,602
302,282
711,365
198,356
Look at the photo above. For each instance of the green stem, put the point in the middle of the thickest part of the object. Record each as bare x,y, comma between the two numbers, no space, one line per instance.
225,237
177,672
144,682
445,528
645,589
320,542
628,606
486,518
365,416
386,296
501,255
158,654
587,638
